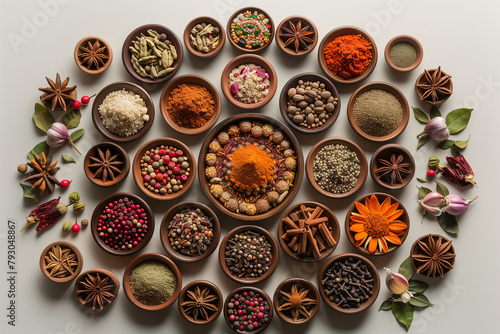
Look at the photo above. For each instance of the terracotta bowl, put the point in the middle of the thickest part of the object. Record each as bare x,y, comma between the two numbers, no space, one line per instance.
332,222
249,59
129,86
151,257
99,209
292,83
63,245
274,251
207,20
333,141
416,249
371,268
342,31
108,52
404,39
388,88
286,286
442,97
103,274
136,168
193,80
114,149
164,231
262,119
290,49
405,218
242,10
213,290
248,289
385,152
171,36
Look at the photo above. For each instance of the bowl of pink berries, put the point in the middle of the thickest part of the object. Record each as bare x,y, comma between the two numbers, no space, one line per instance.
164,168
122,224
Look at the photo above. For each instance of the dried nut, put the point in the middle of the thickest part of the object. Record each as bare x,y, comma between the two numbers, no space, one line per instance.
74,197
22,168
84,222
298,97
67,226
310,119
79,206
330,107
282,197
62,208
292,109
298,119
303,104
326,94
292,92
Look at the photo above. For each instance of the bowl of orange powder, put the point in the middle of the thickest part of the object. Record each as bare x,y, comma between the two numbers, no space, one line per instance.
190,104
347,55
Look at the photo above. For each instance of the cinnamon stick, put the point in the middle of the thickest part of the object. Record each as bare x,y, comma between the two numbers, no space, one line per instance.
325,233
313,245
290,223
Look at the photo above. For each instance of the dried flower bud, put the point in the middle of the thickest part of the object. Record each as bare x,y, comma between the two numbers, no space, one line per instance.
67,226
456,205
235,88
74,197
62,208
431,202
437,129
79,206
433,161
22,168
84,222
396,282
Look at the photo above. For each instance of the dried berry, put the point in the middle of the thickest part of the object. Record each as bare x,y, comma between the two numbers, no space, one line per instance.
84,222
22,168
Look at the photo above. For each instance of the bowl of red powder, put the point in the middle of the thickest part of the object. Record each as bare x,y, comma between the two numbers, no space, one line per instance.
347,55
190,104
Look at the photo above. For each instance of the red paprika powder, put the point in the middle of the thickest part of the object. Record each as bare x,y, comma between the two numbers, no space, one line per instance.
348,56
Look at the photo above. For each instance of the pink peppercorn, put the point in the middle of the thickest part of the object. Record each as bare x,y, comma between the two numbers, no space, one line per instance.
179,153
260,315
162,152
171,154
184,178
176,170
240,312
232,317
171,165
156,157
255,324
166,159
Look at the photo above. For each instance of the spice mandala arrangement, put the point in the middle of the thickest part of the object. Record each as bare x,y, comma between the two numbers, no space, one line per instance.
250,167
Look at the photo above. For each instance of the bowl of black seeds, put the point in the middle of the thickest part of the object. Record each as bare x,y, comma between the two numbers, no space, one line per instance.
190,231
348,283
248,254
248,310
336,167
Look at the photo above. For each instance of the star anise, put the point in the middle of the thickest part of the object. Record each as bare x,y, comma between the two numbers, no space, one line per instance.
106,165
60,262
97,291
433,255
93,55
434,86
58,94
200,303
43,177
297,35
296,301
395,166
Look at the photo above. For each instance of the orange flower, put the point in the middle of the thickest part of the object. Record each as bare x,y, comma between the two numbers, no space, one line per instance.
376,224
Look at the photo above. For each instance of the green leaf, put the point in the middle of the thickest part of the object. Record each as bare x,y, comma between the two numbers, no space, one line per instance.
29,193
386,305
72,119
417,286
423,140
422,191
403,313
68,159
458,119
444,145
42,117
38,149
462,144
406,268
420,115
448,223
454,151
77,135
435,112
442,189
420,301
419,179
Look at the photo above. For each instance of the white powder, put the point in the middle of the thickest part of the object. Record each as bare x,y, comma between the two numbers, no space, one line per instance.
123,112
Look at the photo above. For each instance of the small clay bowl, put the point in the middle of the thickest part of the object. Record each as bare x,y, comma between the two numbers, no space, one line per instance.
249,59
243,10
332,222
388,88
290,49
371,268
441,97
416,249
202,284
405,218
103,274
171,36
164,231
286,286
242,289
108,52
292,83
260,119
151,257
385,152
334,141
63,245
274,252
342,31
207,20
404,39
129,86
136,167
190,79
95,220
114,149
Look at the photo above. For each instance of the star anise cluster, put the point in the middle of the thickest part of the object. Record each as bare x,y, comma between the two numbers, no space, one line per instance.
43,174
434,86
60,262
200,304
297,302
58,94
433,255
93,56
96,291
105,165
296,36
394,169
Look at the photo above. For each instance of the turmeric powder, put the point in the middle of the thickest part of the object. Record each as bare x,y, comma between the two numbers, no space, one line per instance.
348,56
251,168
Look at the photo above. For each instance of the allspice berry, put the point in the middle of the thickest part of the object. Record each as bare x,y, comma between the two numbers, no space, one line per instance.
22,168
84,222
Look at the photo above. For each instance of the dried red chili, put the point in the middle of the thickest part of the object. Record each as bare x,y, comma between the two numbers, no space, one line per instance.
45,214
461,173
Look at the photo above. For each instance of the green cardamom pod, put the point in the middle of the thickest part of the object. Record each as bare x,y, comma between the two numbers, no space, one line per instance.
74,197
433,161
67,226
79,206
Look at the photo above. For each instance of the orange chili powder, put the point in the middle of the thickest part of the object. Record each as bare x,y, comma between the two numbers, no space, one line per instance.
348,56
